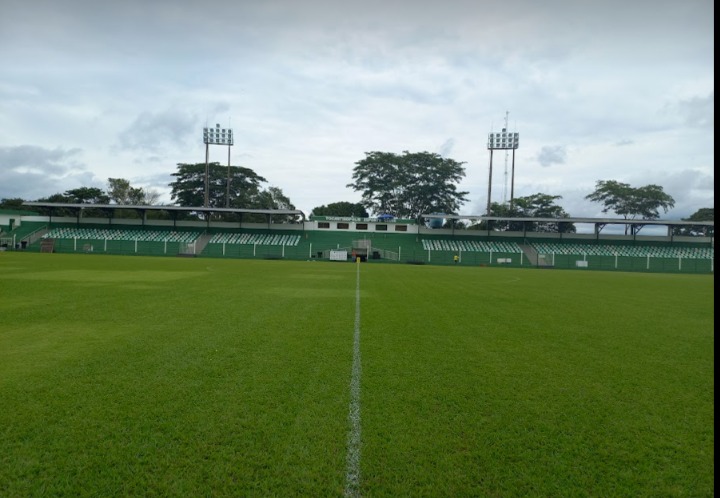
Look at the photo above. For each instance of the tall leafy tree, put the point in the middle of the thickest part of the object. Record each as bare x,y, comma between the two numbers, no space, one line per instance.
15,203
532,206
273,198
544,206
121,192
80,195
57,198
343,209
188,189
629,202
702,214
87,195
410,184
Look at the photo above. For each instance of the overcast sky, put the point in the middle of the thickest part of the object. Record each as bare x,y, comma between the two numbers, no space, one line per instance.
611,90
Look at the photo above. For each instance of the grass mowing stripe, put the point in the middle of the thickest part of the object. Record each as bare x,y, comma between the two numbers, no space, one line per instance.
562,383
352,486
217,384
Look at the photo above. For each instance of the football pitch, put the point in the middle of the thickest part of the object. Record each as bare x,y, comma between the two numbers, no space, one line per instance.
159,376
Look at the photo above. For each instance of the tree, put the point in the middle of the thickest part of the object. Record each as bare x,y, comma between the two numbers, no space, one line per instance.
543,206
408,185
121,192
342,209
81,195
702,214
152,196
87,195
55,199
631,203
273,198
189,187
15,204
532,206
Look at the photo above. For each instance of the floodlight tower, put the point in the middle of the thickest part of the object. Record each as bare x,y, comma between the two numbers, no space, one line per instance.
216,136
503,140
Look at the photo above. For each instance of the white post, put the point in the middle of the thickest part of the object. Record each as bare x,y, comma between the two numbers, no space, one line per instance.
165,248
490,256
460,255
647,267
521,257
399,251
254,248
283,250
223,248
616,256
136,245
428,255
310,255
74,243
680,263
105,246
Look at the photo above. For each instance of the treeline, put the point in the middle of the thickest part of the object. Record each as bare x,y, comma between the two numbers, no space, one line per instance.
405,185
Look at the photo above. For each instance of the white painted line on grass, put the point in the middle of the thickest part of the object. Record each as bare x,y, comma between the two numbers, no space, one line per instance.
352,474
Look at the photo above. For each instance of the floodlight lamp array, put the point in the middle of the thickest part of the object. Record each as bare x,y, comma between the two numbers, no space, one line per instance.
217,135
503,140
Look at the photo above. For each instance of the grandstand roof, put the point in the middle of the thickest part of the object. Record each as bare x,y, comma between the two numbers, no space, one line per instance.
196,209
599,221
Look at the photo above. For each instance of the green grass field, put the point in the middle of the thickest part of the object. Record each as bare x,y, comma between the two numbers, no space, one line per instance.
128,375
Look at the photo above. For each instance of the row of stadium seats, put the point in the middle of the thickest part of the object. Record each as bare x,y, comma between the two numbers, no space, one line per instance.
470,246
121,234
253,238
624,250
571,249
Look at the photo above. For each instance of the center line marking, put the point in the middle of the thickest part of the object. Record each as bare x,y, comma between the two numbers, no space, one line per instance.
352,475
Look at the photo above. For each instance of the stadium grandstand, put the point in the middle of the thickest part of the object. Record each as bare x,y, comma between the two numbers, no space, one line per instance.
287,234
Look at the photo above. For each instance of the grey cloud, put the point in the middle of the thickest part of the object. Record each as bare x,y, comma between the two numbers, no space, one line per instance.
152,159
550,155
447,147
151,131
220,108
31,172
33,158
691,189
698,111
695,112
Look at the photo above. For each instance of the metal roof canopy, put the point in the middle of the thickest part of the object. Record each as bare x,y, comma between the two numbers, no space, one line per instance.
174,210
602,221
270,212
